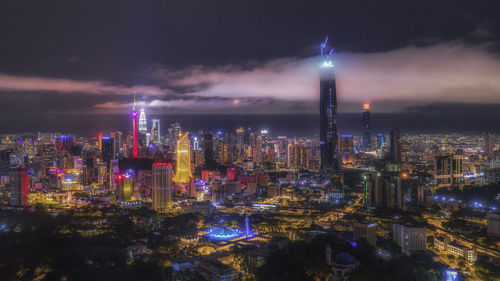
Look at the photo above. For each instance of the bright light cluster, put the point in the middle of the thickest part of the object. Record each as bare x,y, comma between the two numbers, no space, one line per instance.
223,233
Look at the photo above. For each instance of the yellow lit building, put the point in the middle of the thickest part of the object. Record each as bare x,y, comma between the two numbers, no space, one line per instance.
183,155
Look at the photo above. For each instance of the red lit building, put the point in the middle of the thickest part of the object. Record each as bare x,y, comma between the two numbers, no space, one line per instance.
19,188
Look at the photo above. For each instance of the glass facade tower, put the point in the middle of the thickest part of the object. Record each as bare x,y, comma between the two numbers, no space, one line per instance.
328,112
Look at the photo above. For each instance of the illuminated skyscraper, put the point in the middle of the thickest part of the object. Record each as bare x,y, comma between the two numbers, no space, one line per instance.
380,140
183,155
143,124
162,185
134,124
99,141
346,149
19,181
365,128
155,131
328,111
125,186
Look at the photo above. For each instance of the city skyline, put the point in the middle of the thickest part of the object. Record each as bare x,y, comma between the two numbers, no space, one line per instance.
250,140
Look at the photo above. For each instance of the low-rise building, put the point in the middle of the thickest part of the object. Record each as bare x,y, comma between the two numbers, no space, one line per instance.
214,270
257,257
454,248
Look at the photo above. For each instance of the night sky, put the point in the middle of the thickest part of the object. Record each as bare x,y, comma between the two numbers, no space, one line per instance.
72,66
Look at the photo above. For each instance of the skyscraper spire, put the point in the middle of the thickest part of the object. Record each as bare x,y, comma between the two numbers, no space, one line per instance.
134,125
143,125
328,112
183,153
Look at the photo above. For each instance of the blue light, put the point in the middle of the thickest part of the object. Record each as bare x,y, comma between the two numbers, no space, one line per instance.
451,275
223,233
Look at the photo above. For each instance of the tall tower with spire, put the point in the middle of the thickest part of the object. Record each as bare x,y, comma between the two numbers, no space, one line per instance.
134,125
143,124
328,111
183,154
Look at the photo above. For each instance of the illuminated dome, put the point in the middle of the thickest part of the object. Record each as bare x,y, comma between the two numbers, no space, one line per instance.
223,233
344,259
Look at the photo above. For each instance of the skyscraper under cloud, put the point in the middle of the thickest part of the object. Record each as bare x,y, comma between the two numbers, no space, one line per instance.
328,111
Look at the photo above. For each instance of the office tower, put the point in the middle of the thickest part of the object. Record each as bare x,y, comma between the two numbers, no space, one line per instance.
448,170
135,152
117,143
365,128
183,164
366,231
328,112
125,186
395,147
155,131
162,185
380,141
107,148
410,238
493,224
346,149
143,124
489,145
208,148
19,181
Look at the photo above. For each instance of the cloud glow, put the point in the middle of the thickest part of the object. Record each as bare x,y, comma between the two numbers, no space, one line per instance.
392,80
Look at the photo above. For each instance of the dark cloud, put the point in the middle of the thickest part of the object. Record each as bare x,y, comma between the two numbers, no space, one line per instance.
63,59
